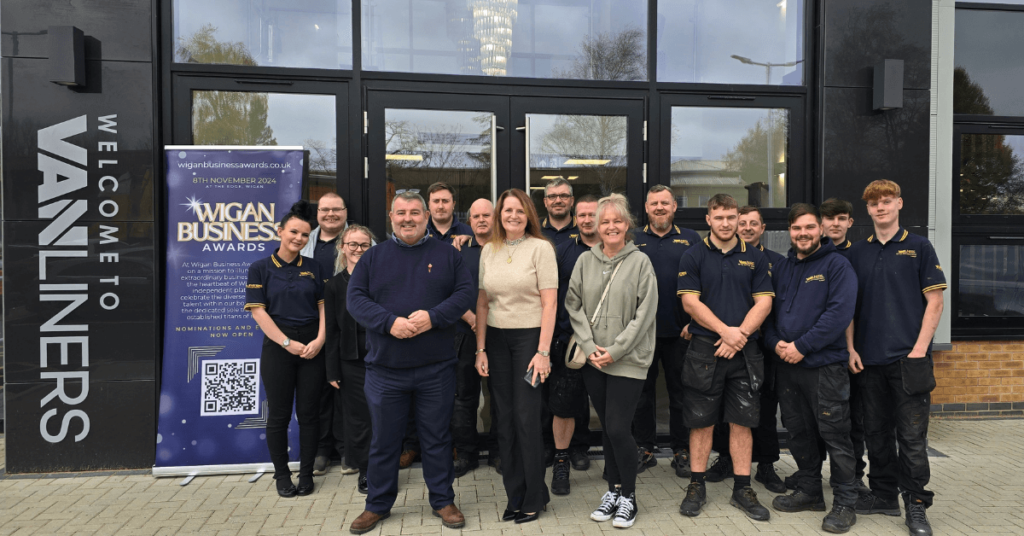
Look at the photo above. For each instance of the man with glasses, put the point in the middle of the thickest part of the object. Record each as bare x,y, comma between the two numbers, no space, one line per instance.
559,225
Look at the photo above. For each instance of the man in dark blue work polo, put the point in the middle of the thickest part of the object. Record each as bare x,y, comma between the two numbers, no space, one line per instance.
815,296
836,220
750,228
665,244
726,289
559,225
899,302
566,395
409,292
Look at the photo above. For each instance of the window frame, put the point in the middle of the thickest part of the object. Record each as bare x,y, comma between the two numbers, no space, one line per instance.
972,328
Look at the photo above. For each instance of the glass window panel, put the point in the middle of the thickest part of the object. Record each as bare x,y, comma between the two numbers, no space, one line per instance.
273,33
736,42
587,150
580,39
988,74
252,118
991,281
742,152
428,146
991,174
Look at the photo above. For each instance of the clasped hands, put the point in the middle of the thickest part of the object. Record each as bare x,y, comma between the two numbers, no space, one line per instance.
788,352
731,342
600,358
406,328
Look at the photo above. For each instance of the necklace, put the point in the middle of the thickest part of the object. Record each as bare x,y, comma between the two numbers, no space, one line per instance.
509,244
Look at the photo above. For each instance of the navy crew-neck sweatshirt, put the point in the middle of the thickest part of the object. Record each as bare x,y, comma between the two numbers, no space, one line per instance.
814,303
393,281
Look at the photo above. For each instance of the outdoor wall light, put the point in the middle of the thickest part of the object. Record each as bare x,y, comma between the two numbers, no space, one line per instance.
67,56
888,86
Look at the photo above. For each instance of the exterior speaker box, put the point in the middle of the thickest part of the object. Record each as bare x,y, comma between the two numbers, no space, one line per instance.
67,56
888,86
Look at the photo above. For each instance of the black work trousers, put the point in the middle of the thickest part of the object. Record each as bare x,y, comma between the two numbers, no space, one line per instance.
289,379
816,402
896,416
670,352
465,437
332,422
358,424
857,423
615,399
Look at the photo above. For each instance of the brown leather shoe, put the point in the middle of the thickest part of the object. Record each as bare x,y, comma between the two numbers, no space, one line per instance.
367,521
407,458
451,517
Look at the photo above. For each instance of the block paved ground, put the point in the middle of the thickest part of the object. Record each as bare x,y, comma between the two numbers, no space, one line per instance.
979,487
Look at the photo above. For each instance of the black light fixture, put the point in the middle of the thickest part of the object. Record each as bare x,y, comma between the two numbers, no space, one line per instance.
67,56
888,86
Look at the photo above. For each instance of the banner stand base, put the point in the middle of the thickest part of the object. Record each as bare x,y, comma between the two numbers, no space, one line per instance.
209,470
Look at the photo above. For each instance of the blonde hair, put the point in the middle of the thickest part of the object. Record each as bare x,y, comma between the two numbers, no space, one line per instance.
621,205
340,263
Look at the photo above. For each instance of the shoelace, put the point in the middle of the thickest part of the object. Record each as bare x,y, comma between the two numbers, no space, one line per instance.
561,469
625,508
749,494
917,514
609,501
692,491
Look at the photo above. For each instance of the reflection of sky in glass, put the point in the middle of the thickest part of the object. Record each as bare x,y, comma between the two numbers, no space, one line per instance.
296,118
709,133
984,45
434,36
281,33
439,136
696,39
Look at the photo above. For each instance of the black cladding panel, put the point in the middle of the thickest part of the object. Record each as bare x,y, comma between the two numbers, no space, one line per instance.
114,29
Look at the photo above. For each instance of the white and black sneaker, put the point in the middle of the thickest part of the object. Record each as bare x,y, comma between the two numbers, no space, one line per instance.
609,506
626,514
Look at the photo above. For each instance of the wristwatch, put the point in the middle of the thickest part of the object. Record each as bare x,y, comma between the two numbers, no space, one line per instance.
481,350
285,342
545,354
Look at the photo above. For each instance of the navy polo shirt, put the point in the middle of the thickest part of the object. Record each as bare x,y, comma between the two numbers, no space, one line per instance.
471,258
290,292
557,236
457,228
844,248
325,253
726,282
665,252
566,255
892,280
773,258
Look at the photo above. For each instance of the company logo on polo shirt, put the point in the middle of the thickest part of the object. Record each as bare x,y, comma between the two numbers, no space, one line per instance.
682,274
573,235
681,241
937,267
306,274
818,277
748,264
907,252
253,286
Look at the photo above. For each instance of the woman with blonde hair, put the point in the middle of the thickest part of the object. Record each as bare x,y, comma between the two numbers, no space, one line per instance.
518,296
616,281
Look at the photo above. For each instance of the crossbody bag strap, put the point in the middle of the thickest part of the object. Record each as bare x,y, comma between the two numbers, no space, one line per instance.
605,293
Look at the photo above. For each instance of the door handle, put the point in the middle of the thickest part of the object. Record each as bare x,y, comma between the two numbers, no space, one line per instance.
521,128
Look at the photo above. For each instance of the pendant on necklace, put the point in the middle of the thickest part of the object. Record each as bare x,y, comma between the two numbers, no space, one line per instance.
509,261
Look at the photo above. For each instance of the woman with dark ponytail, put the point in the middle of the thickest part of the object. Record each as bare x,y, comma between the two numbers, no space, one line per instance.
285,296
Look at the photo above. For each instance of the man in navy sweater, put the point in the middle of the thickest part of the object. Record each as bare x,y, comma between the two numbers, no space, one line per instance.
409,292
815,298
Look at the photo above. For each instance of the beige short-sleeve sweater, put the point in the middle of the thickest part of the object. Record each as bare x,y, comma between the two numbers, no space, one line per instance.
513,288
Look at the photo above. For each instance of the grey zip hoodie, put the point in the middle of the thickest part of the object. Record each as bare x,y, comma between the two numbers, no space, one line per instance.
626,324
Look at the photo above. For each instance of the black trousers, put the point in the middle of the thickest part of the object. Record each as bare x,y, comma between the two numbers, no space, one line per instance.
857,423
358,425
465,437
765,435
670,352
332,422
518,407
615,400
816,401
896,427
288,379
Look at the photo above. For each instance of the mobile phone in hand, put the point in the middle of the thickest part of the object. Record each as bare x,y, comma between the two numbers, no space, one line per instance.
529,378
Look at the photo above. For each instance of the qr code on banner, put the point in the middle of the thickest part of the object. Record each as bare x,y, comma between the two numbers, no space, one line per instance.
230,387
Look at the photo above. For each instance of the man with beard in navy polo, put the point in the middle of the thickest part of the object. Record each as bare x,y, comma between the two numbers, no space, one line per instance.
559,225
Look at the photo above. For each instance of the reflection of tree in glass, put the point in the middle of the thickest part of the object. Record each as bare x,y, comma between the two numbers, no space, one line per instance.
753,158
968,97
991,176
323,160
591,137
203,47
610,56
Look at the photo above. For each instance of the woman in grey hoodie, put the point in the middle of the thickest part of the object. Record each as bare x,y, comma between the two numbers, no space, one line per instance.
619,345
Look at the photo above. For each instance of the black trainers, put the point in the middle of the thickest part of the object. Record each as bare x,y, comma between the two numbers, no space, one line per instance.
609,506
625,514
579,459
767,476
362,486
719,470
746,500
871,504
799,501
320,465
917,519
644,459
696,497
839,520
464,463
560,475
681,463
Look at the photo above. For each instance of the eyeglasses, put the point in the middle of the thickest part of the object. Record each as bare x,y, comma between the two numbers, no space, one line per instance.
332,210
357,245
563,197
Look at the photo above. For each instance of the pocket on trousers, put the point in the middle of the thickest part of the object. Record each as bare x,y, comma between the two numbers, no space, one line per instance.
755,365
699,369
918,375
833,400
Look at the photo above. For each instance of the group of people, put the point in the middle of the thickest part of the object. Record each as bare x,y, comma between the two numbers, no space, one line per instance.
383,350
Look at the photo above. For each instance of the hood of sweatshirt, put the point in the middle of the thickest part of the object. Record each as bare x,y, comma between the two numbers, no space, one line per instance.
630,247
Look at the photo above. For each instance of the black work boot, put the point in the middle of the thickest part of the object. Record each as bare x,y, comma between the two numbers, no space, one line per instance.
644,459
579,459
872,504
799,501
917,519
560,473
839,520
720,469
766,475
681,463
696,497
464,463
746,500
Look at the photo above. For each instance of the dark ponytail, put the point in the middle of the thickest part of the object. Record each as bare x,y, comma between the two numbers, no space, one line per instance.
303,210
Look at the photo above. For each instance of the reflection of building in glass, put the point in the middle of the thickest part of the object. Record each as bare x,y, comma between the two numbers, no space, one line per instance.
492,25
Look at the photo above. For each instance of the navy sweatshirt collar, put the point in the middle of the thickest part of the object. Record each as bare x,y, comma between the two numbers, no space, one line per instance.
404,245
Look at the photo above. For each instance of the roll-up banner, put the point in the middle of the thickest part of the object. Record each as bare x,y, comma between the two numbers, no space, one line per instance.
223,206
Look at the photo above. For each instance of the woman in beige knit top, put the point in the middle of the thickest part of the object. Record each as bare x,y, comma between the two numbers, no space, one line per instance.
518,296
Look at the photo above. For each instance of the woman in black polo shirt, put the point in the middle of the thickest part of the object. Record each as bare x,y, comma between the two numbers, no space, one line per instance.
285,296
